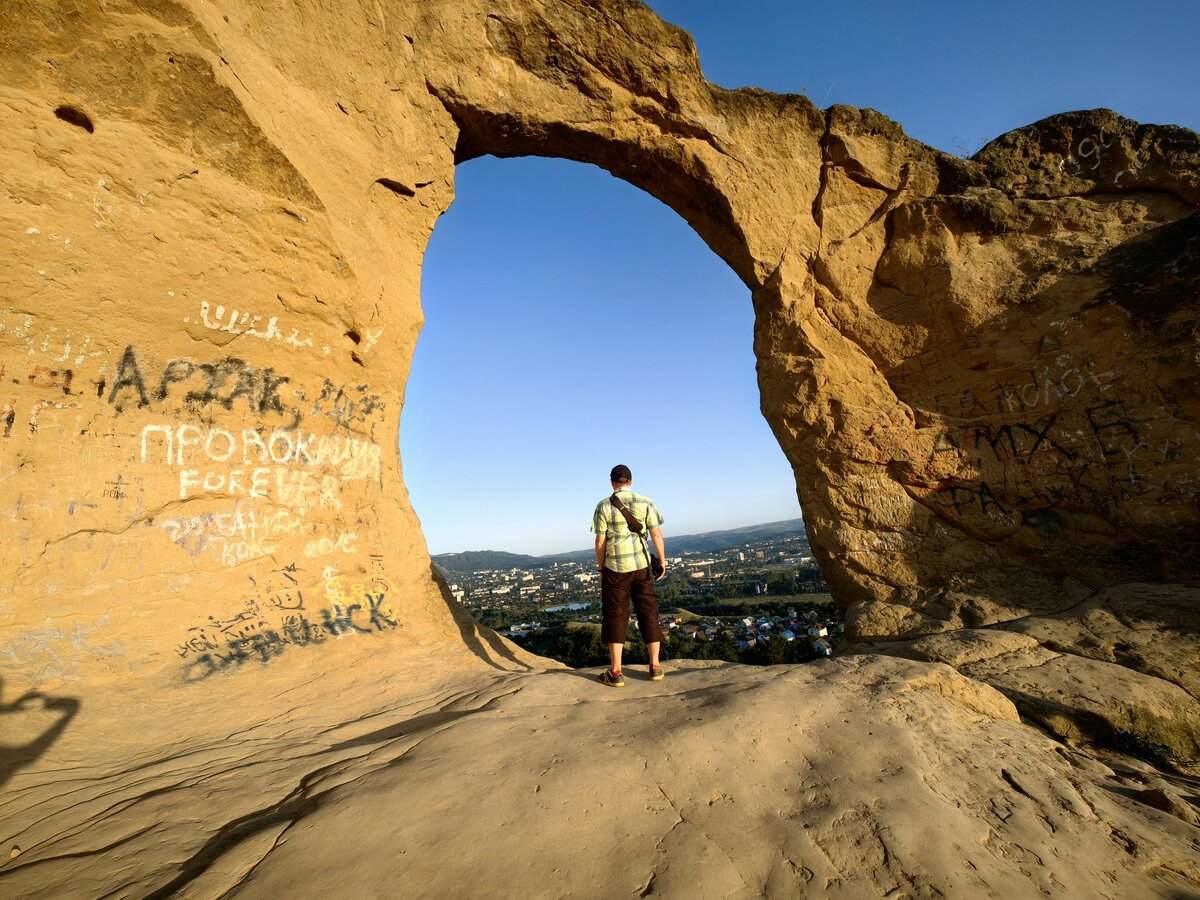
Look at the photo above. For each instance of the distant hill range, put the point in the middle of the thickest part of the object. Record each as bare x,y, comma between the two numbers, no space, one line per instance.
480,560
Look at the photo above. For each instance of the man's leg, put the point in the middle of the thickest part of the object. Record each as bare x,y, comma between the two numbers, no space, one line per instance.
614,658
652,648
614,614
645,601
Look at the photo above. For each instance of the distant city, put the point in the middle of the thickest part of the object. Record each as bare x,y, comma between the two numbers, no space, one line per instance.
741,596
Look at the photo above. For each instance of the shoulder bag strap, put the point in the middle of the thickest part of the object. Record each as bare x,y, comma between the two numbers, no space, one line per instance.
635,526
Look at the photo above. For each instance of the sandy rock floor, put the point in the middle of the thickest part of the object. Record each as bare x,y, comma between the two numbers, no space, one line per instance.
857,777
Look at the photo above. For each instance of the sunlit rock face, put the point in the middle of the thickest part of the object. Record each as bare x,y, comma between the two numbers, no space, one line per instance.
213,219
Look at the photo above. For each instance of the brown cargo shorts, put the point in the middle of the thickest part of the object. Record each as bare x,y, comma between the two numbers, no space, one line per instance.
616,590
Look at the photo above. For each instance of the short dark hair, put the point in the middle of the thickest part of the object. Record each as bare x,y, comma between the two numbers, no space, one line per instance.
620,474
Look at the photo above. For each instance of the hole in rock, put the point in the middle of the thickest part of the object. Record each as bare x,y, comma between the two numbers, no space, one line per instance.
574,322
396,187
76,117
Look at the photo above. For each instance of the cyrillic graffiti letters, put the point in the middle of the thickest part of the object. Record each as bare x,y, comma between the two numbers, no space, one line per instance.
128,376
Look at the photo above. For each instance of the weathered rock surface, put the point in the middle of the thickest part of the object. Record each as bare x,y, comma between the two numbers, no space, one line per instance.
1083,699
213,217
857,777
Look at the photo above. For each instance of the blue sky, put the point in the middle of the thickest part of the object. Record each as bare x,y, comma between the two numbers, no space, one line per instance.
553,291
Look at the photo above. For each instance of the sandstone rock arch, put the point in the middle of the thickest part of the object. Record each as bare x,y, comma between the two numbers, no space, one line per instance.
985,394
984,372
984,385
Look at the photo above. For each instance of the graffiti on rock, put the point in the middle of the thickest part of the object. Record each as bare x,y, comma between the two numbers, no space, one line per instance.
226,383
278,618
1059,443
235,322
295,468
234,385
349,406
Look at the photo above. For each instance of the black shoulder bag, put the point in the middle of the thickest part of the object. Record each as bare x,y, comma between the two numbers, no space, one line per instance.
656,567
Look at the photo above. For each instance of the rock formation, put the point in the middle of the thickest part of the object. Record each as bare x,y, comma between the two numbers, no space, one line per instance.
850,778
983,372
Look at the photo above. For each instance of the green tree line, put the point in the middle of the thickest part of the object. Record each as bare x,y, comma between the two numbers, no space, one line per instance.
580,648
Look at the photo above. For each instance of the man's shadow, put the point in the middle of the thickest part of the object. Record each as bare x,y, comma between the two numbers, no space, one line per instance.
29,705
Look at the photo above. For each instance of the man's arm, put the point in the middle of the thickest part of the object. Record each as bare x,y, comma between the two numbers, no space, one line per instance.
601,546
656,536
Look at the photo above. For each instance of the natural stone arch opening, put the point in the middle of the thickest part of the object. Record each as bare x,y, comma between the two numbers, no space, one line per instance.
688,167
689,315
685,179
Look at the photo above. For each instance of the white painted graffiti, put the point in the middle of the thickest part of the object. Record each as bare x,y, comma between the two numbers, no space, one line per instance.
1092,147
1047,388
348,457
245,532
343,543
1088,155
63,346
299,489
247,323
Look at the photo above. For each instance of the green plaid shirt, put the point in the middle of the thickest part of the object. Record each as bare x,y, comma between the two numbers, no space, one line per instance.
624,550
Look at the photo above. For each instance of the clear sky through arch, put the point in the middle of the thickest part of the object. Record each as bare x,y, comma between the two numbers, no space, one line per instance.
553,291
543,269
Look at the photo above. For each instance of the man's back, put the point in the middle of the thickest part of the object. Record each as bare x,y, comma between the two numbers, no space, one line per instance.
625,551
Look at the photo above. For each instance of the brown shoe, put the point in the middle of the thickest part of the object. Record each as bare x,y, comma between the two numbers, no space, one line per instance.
612,679
657,673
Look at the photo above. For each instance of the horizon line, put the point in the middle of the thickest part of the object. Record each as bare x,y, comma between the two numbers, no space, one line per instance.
583,549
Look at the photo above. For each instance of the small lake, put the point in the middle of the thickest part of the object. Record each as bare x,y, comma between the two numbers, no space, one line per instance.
571,606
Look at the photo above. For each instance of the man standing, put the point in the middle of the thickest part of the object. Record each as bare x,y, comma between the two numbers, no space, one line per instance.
625,572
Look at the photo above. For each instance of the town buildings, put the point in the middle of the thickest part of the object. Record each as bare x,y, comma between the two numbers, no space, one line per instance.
701,599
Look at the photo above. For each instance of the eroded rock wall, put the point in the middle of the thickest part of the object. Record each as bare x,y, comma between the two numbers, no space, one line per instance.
983,371
209,312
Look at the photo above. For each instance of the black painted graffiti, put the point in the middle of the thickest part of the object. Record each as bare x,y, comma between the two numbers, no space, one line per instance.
348,406
1020,439
285,600
210,635
287,573
57,379
980,498
257,642
1115,430
283,588
340,620
223,383
230,383
972,498
1105,432
299,632
1082,485
1071,473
